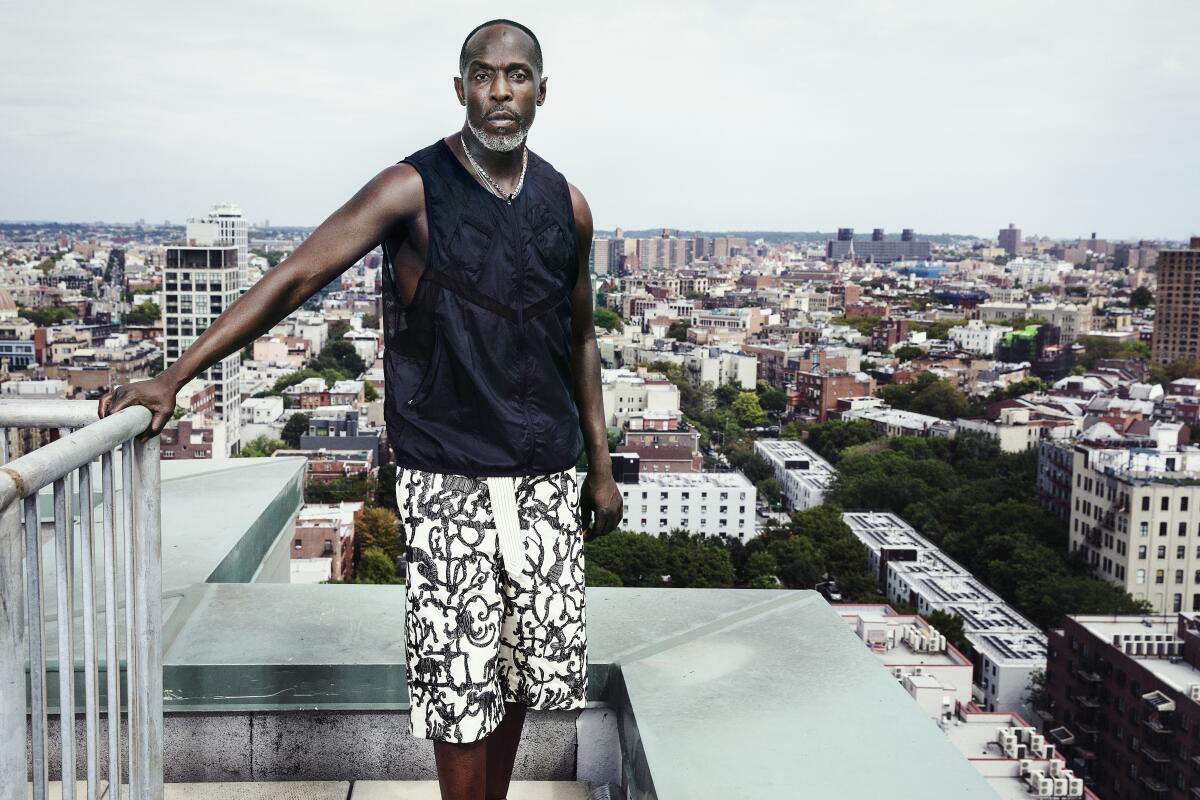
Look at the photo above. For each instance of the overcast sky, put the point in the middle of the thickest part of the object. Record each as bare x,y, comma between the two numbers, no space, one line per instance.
1063,117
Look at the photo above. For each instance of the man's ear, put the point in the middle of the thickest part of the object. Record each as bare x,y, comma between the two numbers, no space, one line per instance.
458,90
541,98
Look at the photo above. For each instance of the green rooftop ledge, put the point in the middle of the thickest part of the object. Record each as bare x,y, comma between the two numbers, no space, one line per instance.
713,693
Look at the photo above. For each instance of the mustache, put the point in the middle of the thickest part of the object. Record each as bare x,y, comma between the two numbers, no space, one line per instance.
503,110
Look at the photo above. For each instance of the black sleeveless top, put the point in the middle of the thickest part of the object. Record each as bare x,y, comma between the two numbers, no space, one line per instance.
477,367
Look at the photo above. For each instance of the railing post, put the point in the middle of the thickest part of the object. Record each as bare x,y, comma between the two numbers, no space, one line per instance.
12,658
148,732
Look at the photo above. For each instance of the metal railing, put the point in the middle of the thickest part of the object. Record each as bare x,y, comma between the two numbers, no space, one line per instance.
129,544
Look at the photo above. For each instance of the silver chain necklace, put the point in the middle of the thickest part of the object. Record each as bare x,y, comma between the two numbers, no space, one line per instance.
495,187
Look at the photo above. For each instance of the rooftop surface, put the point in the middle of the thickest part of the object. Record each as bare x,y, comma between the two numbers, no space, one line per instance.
1176,675
720,693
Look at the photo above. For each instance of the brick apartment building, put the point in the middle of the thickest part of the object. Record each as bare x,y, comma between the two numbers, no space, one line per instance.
183,440
1124,696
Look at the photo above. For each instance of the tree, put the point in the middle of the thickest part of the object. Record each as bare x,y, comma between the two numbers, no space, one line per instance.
596,575
1141,297
1037,693
47,316
296,426
385,488
145,313
698,562
370,393
1024,386
260,447
351,488
340,356
761,564
637,559
799,562
678,330
379,528
374,566
607,319
770,489
771,398
337,329
829,439
748,412
907,352
940,399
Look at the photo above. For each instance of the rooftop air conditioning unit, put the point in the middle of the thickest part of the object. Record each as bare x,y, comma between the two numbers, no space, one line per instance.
1055,768
1194,691
1024,766
1075,787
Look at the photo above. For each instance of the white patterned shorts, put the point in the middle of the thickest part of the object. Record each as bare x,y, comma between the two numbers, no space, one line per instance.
494,598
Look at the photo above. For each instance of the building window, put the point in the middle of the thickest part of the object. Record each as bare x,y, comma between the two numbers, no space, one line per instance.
1162,551
1162,529
1183,529
1146,503
1160,576
1141,576
1178,603
1165,505
1179,551
1178,577
1145,529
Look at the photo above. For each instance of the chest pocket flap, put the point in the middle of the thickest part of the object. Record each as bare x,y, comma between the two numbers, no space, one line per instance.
554,246
473,241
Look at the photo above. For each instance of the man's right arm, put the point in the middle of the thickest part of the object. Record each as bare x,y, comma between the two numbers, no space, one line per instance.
394,196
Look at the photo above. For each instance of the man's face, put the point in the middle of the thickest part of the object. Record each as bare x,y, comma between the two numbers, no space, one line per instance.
501,87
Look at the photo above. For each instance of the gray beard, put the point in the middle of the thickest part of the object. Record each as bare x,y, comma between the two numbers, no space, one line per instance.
500,144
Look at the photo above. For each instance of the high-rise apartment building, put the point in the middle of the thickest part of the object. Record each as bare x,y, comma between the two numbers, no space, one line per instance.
1177,305
199,282
877,249
1135,515
600,259
223,223
1010,239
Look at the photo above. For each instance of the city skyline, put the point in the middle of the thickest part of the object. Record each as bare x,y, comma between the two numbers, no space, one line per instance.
1066,119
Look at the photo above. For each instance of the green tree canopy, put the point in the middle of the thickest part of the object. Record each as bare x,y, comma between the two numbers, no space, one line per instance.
376,567
294,428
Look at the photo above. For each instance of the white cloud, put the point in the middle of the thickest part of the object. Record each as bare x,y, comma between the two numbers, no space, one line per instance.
1065,118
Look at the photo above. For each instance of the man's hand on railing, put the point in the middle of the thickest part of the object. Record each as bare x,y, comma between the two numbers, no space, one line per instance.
156,394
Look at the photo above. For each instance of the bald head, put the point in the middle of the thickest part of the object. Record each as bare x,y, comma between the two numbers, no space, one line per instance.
535,47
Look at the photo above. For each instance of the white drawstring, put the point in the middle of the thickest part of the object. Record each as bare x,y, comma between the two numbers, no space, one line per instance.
503,492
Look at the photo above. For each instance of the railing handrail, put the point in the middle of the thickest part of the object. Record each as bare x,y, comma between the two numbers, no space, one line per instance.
48,413
32,471
68,465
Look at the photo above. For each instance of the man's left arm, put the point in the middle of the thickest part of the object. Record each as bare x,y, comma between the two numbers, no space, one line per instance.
600,500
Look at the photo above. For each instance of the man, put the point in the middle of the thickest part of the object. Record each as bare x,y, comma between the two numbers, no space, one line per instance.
493,389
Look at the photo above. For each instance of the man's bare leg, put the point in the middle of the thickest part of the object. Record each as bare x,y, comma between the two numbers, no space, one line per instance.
481,770
502,750
461,769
